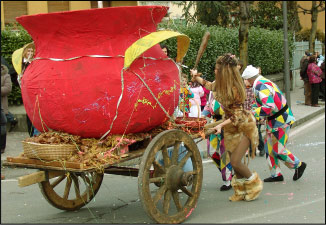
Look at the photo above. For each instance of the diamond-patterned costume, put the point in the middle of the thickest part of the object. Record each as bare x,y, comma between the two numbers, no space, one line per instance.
216,142
270,100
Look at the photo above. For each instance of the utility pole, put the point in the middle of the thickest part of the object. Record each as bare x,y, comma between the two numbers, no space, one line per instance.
286,55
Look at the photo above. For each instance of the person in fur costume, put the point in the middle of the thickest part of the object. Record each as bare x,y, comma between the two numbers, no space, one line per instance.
239,125
271,104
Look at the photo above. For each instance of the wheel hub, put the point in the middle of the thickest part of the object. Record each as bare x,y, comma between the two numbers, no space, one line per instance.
176,178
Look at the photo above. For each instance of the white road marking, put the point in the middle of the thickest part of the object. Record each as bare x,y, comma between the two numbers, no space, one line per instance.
275,212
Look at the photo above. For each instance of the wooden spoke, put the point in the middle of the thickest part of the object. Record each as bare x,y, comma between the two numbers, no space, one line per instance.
83,193
170,177
166,157
176,200
175,153
185,190
76,185
184,159
58,181
166,202
157,179
158,167
67,188
159,194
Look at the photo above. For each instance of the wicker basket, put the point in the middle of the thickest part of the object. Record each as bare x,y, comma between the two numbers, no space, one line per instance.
47,151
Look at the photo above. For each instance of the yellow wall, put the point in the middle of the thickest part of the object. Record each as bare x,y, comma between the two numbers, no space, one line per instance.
305,20
123,3
79,5
36,7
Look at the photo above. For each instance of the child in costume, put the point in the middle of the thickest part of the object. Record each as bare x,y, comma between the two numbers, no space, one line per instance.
215,142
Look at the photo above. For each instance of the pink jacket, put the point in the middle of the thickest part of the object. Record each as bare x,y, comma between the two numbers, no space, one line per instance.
314,73
198,93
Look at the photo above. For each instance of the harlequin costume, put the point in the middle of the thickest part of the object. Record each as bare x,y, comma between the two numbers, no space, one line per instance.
216,143
272,105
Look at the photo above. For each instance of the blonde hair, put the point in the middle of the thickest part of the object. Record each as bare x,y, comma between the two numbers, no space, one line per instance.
229,85
28,46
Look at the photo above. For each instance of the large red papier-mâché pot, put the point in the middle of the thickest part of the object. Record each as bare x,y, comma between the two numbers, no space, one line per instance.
80,96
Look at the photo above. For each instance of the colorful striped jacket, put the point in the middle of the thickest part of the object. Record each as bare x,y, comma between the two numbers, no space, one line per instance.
269,100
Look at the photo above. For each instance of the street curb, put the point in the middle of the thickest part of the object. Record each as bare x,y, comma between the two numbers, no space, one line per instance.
308,117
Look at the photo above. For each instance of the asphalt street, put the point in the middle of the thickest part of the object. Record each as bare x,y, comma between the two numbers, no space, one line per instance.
117,201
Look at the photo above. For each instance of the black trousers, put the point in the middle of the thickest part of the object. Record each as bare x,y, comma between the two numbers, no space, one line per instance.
314,93
322,89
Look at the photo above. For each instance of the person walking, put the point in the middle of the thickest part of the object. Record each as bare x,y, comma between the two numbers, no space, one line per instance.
314,75
322,84
3,138
198,91
6,87
271,105
250,100
215,142
238,124
304,76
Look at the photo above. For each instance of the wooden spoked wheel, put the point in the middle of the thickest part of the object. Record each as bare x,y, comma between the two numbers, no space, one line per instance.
170,194
69,190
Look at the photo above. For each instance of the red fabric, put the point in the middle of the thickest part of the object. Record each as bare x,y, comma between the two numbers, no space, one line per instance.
80,96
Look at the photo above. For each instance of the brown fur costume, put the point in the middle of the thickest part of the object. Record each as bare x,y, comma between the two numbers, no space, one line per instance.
243,123
239,190
253,188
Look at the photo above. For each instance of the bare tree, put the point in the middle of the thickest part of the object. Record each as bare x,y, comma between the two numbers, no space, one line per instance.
244,32
315,9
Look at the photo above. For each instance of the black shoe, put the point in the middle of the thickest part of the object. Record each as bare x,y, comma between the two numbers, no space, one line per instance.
274,179
225,188
262,152
299,171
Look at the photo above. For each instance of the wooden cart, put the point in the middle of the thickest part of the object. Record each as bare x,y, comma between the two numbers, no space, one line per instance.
159,185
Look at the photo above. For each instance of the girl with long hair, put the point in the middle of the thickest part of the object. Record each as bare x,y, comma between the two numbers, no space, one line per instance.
239,125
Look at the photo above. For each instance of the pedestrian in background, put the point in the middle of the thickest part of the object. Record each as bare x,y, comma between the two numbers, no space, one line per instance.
28,55
165,50
203,99
322,84
6,87
3,134
198,91
249,102
314,75
238,124
304,62
271,104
